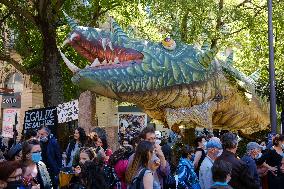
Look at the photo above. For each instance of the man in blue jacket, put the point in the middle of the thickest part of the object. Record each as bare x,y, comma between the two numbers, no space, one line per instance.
253,150
51,154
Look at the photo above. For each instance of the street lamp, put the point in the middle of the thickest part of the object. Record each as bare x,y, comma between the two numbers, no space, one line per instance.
273,118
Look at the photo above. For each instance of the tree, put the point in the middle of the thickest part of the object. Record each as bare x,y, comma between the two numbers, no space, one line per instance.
38,27
238,25
35,23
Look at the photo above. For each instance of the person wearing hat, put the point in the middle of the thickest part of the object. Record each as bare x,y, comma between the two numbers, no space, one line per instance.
240,177
205,175
14,152
253,152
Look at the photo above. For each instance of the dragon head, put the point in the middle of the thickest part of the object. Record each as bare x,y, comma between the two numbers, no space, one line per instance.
118,64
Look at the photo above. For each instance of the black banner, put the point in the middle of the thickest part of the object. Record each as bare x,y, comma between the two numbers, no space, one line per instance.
38,117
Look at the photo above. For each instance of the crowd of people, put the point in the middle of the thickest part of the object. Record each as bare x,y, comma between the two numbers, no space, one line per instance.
143,163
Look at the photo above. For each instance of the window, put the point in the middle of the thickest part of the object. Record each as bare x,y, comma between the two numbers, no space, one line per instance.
14,81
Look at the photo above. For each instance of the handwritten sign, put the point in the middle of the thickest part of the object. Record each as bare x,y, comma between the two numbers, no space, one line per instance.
9,121
38,117
67,111
11,101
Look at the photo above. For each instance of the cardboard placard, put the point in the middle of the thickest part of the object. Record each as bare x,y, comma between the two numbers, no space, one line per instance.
68,111
9,122
38,117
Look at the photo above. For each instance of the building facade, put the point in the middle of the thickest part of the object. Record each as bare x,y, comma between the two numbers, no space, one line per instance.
26,95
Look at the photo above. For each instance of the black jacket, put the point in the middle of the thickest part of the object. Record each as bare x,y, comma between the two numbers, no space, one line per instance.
240,177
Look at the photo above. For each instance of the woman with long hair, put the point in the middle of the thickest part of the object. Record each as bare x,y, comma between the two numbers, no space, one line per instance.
89,171
35,174
200,154
142,166
74,146
119,161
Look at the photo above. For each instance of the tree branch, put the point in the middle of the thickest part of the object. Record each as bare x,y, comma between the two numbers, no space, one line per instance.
58,5
219,24
6,16
243,3
183,27
12,6
109,8
17,64
99,12
14,62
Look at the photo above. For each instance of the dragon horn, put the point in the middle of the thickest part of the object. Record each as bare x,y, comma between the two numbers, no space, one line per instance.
119,34
70,21
71,66
230,58
255,75
207,57
205,46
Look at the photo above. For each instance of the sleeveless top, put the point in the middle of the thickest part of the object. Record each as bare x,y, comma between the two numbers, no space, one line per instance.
203,155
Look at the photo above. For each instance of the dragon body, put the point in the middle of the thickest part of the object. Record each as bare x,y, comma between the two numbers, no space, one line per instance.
177,85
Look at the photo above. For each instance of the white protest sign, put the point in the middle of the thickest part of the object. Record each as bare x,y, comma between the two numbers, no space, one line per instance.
68,111
9,121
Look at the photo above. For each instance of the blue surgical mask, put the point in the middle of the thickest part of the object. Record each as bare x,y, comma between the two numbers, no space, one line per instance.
282,146
36,157
258,156
43,139
263,147
220,152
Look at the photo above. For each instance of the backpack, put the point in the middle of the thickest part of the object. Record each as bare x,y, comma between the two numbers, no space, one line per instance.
111,178
169,182
137,182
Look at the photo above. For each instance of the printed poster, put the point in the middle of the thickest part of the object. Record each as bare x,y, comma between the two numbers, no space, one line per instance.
130,124
9,122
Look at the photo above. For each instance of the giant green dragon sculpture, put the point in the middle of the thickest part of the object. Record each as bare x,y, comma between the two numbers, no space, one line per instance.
172,82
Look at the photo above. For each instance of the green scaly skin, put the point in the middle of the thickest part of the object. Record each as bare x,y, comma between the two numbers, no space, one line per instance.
160,70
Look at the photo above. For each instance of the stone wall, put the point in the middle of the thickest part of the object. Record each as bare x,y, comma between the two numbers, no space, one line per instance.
99,112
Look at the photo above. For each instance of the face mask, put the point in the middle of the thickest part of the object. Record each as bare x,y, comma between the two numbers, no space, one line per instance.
204,144
263,147
44,139
220,152
36,157
158,141
282,146
258,156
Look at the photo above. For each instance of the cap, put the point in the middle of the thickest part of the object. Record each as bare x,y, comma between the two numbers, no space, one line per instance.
213,144
253,145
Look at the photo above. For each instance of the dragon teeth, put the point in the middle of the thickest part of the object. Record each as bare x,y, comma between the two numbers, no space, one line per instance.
110,46
116,60
104,40
104,62
95,63
65,42
73,36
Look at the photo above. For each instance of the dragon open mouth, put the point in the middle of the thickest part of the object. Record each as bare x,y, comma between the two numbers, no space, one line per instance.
102,53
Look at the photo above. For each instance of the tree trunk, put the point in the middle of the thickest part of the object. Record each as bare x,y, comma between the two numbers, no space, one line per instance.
51,79
282,119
